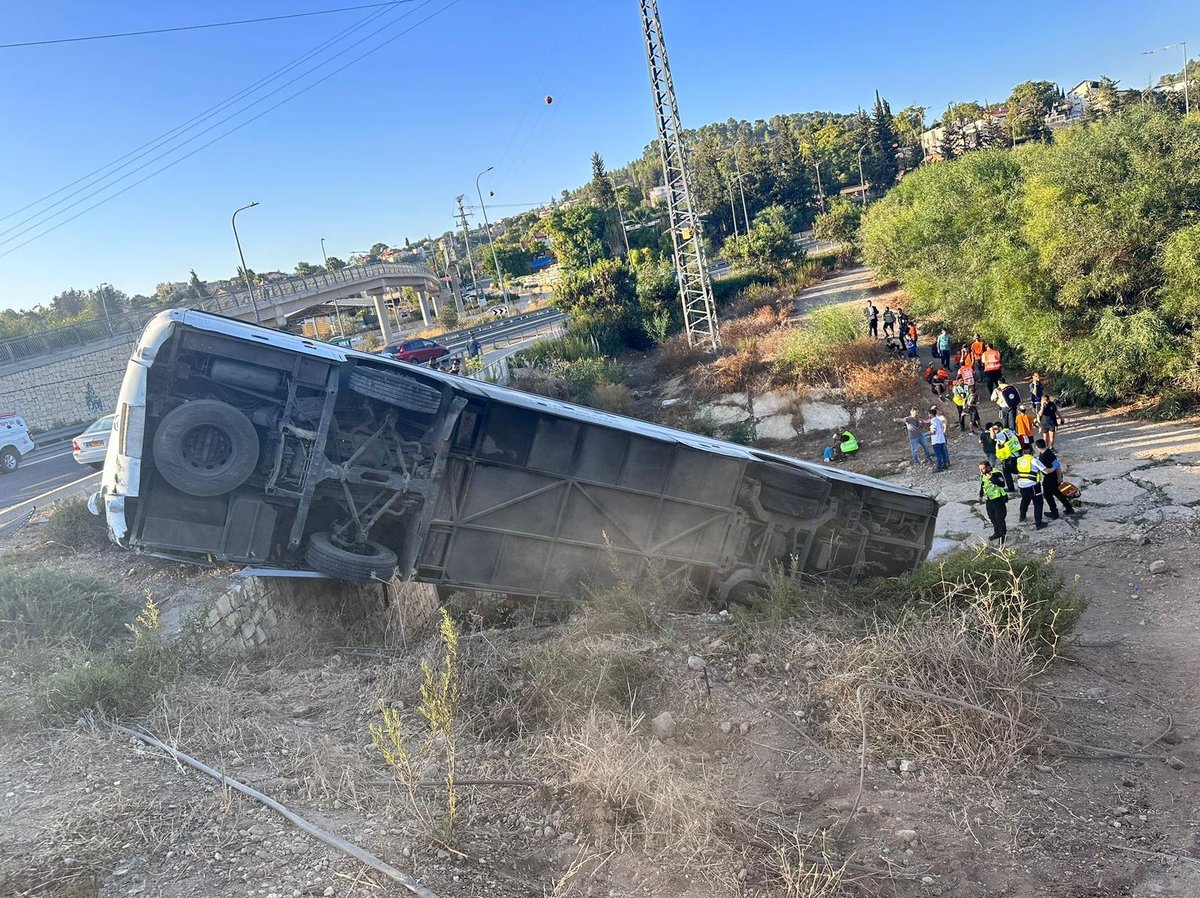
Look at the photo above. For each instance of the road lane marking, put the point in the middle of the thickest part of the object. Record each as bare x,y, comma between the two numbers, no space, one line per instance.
38,461
41,496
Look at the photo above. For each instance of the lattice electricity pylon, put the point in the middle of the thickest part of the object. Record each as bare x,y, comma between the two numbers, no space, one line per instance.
695,291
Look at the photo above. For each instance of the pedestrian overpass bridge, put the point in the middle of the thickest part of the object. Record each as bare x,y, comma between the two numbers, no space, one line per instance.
277,301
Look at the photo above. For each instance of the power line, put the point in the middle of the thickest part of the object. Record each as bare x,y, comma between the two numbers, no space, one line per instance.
166,137
220,136
45,217
104,37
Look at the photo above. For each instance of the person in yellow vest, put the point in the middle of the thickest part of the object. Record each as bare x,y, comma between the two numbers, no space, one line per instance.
1008,450
1029,481
995,498
846,443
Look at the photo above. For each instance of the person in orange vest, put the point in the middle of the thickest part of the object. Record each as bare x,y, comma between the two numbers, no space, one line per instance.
977,347
991,366
1024,425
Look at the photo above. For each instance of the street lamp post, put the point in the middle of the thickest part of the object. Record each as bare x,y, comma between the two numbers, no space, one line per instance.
1187,101
337,312
245,271
103,291
862,181
491,243
820,189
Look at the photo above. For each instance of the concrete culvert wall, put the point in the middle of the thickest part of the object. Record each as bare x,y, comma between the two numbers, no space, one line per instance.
257,609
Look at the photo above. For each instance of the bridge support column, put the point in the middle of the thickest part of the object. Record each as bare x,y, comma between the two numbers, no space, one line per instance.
381,312
423,302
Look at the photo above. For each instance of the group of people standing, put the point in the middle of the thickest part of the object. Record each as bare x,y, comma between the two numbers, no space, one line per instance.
1018,448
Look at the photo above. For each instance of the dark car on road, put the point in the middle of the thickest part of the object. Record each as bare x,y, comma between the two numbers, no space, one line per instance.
417,350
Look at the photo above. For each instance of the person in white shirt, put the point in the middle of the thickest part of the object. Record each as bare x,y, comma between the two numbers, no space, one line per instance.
937,437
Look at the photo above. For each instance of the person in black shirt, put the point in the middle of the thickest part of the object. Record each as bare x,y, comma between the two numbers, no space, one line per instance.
1052,480
1050,420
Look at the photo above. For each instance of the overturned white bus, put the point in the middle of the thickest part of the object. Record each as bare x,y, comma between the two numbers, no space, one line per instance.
236,443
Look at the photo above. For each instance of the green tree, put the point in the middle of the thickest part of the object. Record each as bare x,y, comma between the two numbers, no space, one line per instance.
768,246
879,164
601,186
1106,100
199,292
840,223
514,258
306,269
378,249
1079,255
333,263
577,235
68,304
602,300
1028,105
909,123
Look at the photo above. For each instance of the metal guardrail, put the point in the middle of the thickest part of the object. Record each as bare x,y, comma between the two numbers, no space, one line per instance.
486,333
73,336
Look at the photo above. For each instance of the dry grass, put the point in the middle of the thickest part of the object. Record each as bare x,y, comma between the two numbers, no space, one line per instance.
751,326
628,792
676,357
883,381
737,371
968,654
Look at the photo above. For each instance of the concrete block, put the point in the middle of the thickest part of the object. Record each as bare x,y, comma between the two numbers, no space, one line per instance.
776,427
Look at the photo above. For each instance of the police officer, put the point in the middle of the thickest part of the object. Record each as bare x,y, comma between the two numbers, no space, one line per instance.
1029,481
995,496
1008,450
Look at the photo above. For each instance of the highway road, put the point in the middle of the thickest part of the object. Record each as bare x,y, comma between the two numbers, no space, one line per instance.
45,477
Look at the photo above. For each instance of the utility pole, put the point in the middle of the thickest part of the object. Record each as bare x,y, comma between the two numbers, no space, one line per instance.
737,168
732,207
462,217
862,181
621,216
492,243
820,189
695,291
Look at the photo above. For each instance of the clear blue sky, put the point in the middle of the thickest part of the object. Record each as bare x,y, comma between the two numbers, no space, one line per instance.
379,151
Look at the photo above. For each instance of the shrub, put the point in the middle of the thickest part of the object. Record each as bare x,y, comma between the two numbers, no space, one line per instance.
611,397
740,434
837,324
70,524
802,354
1020,592
570,347
51,605
752,298
448,315
123,679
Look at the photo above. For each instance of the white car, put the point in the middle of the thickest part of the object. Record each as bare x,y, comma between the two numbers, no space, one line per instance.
15,443
90,447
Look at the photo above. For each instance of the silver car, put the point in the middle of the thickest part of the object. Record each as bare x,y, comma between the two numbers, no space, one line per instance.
90,447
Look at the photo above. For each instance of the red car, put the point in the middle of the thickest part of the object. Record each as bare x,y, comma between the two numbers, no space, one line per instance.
418,351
